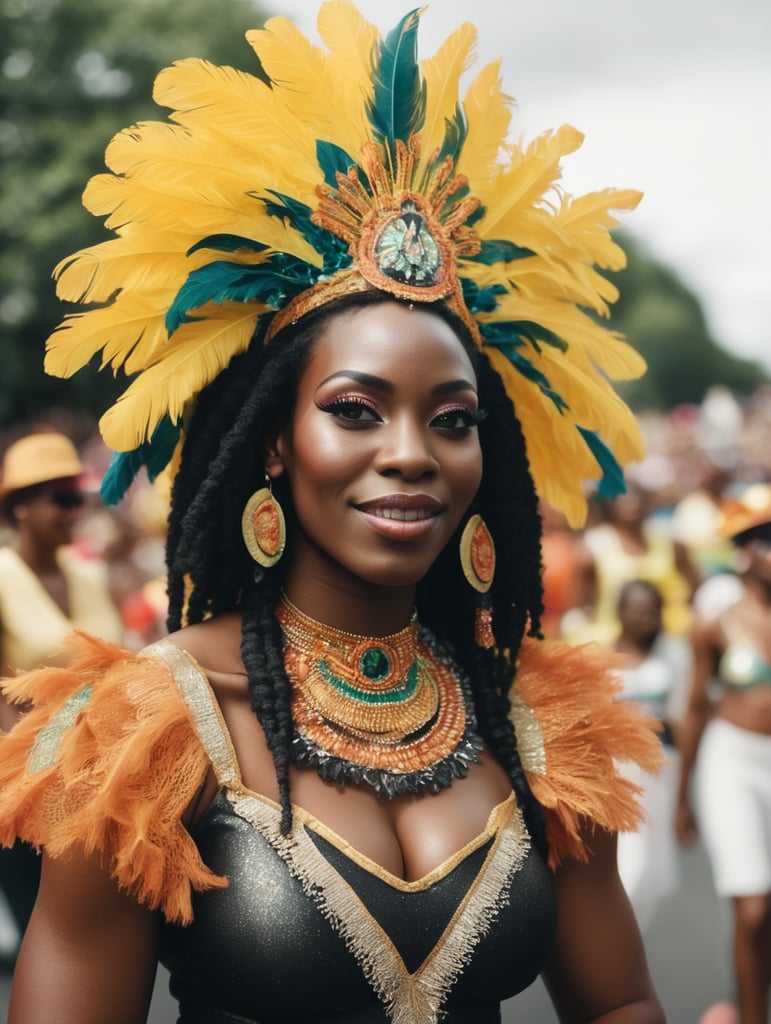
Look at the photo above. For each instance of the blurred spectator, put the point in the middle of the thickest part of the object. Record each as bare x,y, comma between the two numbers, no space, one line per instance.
47,588
631,543
655,672
696,519
730,731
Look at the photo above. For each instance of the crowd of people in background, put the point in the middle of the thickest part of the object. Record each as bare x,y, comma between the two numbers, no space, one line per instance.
654,575
675,576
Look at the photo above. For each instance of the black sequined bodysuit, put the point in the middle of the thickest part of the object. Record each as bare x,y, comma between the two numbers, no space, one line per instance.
311,932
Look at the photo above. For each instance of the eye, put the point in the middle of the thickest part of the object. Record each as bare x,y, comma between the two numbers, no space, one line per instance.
352,410
457,420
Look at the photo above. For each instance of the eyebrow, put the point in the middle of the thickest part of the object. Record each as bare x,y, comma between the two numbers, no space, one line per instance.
380,384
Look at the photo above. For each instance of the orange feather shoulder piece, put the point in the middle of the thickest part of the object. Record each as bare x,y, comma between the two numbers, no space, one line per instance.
574,736
107,760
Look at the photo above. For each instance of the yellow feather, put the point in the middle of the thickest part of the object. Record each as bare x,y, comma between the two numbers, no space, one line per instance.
116,328
529,177
94,275
350,39
325,92
198,352
225,104
488,111
441,74
137,202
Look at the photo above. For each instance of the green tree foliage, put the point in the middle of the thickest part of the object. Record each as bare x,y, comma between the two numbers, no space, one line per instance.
665,322
72,74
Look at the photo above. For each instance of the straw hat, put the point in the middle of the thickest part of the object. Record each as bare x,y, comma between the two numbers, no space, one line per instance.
752,509
37,458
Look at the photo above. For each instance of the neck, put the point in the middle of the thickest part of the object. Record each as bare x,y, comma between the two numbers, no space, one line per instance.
356,608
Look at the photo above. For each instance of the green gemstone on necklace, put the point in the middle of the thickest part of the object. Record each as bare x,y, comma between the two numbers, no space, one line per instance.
375,664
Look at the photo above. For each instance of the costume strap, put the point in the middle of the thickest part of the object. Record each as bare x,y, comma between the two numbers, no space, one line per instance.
573,732
204,710
107,760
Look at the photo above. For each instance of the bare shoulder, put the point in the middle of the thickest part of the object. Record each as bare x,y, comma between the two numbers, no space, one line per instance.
216,646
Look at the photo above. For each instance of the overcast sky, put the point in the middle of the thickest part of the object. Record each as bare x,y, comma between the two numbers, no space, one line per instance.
674,97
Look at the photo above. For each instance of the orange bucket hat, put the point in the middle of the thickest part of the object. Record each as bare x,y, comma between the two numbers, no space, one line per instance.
752,509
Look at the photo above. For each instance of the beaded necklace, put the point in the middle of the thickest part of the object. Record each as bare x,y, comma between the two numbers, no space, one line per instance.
393,712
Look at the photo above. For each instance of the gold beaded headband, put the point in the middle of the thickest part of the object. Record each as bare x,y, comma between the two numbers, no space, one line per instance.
355,167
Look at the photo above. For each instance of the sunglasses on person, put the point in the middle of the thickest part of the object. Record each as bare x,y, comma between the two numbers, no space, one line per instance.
66,499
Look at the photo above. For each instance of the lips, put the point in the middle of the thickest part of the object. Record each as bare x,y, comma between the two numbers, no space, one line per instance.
405,515
407,507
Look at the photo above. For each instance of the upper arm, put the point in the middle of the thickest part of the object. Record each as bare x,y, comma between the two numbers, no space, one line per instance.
598,963
687,567
89,954
704,646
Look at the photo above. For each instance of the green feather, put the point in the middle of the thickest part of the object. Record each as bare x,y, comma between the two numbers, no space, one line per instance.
398,106
333,249
480,300
333,160
612,483
227,243
274,282
154,454
455,132
500,251
508,340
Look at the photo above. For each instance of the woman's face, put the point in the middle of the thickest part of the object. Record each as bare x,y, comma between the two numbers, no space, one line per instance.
49,515
382,455
640,614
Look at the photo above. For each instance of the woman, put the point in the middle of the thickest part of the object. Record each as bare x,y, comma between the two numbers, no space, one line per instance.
321,798
629,544
654,672
729,727
46,590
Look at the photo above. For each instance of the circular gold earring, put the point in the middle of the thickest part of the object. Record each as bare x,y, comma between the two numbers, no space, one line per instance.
477,554
477,557
263,526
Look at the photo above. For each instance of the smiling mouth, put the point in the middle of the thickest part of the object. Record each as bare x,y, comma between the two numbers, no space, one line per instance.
403,515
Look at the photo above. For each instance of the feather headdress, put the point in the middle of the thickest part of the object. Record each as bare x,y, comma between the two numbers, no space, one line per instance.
356,166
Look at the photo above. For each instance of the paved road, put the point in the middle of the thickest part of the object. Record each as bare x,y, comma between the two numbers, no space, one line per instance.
687,951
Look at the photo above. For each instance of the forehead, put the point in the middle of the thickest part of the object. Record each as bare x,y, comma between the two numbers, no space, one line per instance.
393,341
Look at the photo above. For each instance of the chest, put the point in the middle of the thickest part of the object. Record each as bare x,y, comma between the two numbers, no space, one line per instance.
311,928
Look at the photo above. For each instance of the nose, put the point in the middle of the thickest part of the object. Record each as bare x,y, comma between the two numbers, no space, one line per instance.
405,450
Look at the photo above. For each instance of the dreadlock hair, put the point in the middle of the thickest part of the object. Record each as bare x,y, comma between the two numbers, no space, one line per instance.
210,571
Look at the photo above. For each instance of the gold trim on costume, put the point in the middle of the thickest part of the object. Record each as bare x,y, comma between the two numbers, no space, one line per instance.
532,750
208,721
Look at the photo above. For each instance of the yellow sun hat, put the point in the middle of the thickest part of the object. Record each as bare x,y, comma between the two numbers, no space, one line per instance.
36,459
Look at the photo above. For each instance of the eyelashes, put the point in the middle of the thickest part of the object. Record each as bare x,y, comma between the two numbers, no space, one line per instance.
352,409
466,418
358,411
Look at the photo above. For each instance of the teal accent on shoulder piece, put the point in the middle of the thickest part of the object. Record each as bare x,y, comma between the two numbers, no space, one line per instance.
49,739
